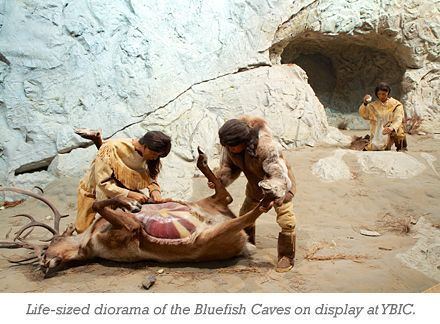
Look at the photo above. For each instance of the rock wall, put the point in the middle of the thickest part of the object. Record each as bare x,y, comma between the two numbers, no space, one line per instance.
184,67
280,94
346,47
129,66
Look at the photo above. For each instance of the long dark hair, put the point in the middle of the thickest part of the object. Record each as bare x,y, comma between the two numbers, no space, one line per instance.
383,86
235,132
157,142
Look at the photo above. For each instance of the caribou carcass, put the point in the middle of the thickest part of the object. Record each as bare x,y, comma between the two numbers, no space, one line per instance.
126,231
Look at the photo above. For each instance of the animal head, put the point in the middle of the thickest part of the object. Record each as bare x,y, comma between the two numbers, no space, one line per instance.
61,249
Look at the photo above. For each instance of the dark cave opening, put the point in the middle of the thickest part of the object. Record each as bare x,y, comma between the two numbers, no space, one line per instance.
341,71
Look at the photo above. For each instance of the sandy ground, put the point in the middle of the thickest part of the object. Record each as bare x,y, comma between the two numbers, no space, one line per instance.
329,215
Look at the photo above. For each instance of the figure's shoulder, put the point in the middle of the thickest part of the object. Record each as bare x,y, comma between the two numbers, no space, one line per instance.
268,146
394,102
374,104
254,121
118,146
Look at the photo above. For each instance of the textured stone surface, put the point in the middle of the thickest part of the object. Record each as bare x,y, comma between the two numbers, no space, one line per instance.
28,181
278,93
332,168
346,47
387,163
335,137
183,67
424,256
391,164
430,159
74,164
109,63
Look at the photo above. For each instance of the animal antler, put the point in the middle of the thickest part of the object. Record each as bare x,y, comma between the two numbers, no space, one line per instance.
221,194
18,241
32,223
57,215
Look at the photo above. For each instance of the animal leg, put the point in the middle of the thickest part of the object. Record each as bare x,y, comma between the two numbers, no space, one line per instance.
94,135
221,195
118,218
247,206
235,225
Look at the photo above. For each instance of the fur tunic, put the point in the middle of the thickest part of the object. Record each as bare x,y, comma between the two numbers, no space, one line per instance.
268,165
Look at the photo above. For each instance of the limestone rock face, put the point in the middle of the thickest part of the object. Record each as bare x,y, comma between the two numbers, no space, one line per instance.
347,47
335,137
332,168
276,93
28,181
184,67
74,164
429,243
391,164
108,64
385,163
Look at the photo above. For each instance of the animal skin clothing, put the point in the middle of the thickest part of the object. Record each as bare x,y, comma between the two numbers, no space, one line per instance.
380,115
285,216
268,165
116,170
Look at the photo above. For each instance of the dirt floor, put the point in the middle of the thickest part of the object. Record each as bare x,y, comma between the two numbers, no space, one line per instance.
330,216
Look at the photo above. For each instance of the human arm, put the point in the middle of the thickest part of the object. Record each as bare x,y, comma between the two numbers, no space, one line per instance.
398,115
108,185
105,181
364,110
227,172
155,192
138,196
278,175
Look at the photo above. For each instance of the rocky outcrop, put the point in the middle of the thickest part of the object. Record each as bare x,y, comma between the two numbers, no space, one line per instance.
185,67
332,168
110,64
277,93
346,48
389,164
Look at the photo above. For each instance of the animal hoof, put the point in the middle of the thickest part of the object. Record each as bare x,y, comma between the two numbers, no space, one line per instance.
136,207
148,282
265,185
127,204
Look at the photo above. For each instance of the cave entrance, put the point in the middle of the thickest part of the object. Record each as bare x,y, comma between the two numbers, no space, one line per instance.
341,71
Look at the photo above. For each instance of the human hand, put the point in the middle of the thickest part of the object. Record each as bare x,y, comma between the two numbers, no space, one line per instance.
288,196
211,185
367,99
156,196
139,197
265,209
387,130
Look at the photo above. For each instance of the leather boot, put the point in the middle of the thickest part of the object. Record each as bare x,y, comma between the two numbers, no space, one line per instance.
250,231
403,144
286,251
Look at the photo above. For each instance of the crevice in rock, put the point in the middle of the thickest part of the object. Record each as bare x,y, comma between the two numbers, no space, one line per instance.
35,166
145,115
81,145
303,9
4,59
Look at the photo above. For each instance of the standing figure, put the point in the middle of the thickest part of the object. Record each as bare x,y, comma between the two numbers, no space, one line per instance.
122,167
250,148
386,120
